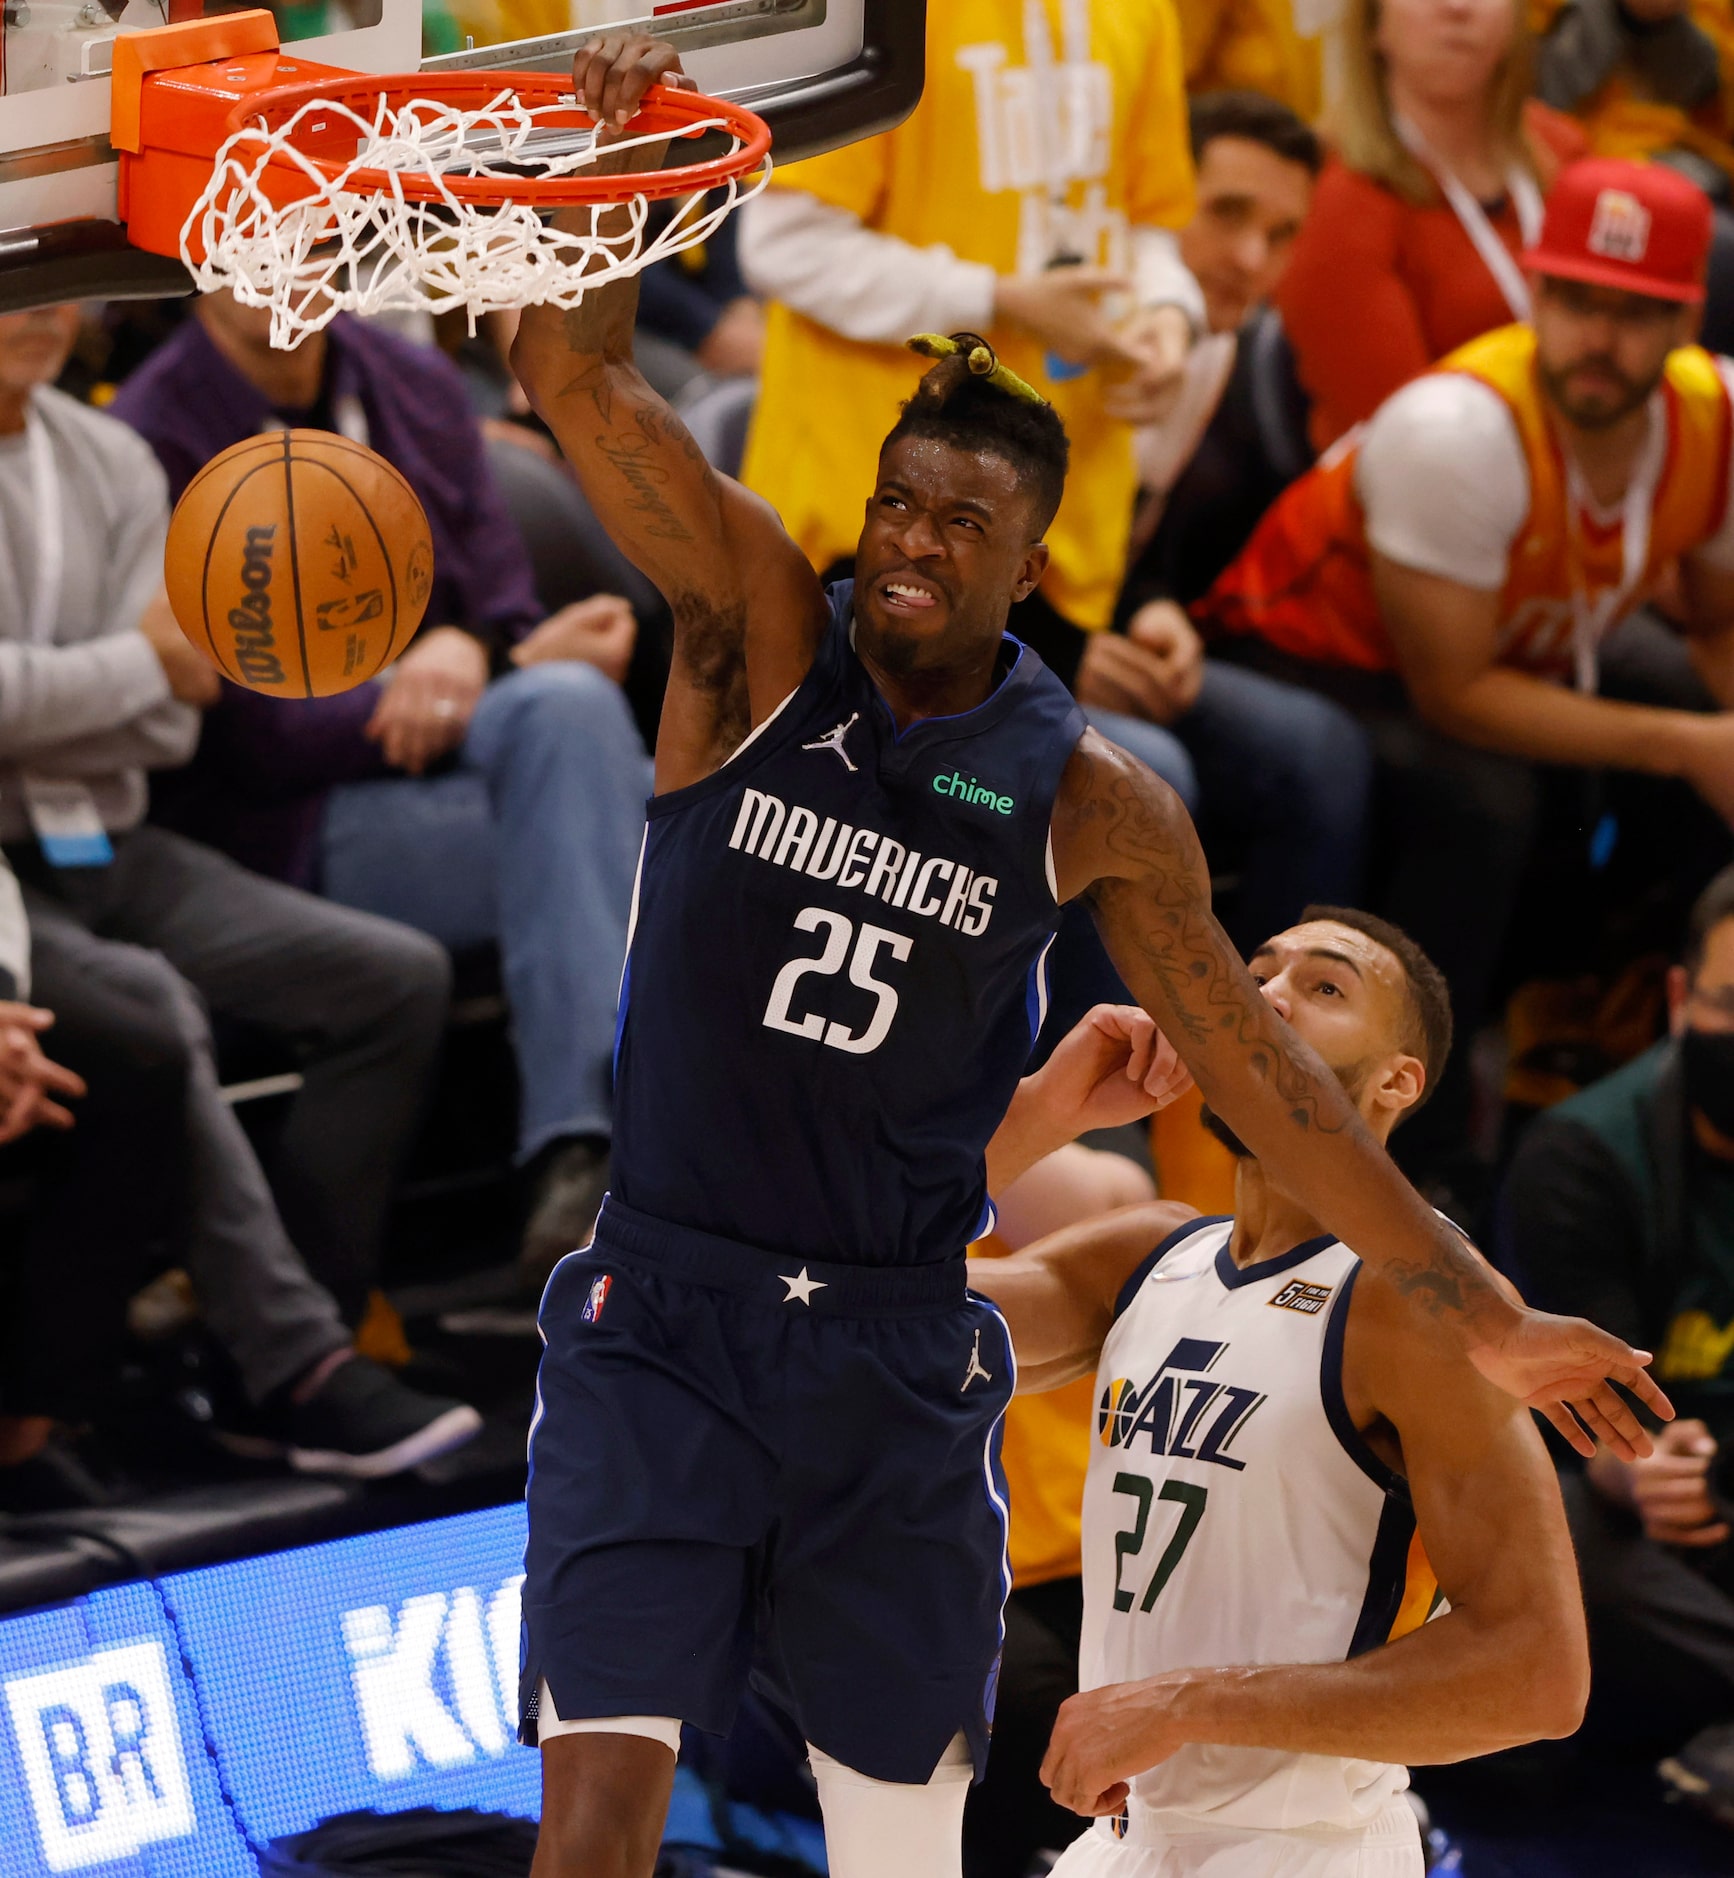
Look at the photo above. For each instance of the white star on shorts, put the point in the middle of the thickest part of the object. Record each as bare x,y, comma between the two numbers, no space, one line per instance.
801,1287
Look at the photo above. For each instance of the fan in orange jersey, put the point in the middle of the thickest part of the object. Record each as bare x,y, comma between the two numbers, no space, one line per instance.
1499,516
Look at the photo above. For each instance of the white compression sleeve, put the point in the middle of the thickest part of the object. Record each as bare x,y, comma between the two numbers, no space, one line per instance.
549,1726
875,1827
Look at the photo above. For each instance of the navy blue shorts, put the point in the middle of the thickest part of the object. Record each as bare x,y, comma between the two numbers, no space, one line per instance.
742,1464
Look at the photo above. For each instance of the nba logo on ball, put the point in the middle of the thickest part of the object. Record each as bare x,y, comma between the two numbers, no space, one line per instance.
597,1298
299,562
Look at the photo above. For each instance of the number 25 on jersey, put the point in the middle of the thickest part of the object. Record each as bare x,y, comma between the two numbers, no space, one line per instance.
868,943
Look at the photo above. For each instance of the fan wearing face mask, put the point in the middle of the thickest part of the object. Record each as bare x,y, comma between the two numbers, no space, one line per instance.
1620,1203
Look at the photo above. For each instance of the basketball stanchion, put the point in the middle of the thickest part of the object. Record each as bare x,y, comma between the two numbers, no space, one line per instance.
312,190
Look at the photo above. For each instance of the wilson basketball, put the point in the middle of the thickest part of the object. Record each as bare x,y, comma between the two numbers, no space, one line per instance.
300,562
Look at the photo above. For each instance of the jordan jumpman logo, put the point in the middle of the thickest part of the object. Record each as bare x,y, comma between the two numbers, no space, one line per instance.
975,1368
833,741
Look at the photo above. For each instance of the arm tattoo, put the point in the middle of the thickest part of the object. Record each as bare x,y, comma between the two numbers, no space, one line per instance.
632,456
1160,907
1435,1290
632,450
1153,898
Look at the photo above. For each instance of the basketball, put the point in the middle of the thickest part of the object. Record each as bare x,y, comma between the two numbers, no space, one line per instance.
299,562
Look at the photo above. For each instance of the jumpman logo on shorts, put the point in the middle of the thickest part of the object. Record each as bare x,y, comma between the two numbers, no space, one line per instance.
833,741
975,1368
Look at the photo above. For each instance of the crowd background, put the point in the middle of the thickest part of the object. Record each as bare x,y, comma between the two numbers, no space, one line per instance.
306,1009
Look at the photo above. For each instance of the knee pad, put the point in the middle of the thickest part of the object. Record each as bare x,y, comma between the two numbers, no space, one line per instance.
873,1827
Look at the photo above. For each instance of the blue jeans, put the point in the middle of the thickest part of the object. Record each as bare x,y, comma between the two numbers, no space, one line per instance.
532,842
1285,781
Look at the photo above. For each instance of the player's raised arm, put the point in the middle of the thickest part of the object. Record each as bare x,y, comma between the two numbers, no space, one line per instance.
1506,1664
1123,837
747,607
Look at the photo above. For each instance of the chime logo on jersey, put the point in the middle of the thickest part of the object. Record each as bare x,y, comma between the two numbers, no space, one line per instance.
598,1297
1181,1410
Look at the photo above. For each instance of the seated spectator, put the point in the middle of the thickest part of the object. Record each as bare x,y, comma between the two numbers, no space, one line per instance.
1411,248
1453,580
1282,777
135,932
1212,467
1652,79
1621,1201
90,1157
489,787
1256,45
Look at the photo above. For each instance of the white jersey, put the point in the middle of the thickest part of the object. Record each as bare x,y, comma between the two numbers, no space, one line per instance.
1233,1515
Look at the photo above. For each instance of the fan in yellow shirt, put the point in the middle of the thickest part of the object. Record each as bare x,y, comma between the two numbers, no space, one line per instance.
1271,46
1052,132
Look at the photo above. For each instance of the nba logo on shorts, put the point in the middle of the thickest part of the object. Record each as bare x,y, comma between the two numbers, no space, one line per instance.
1620,230
597,1298
102,1756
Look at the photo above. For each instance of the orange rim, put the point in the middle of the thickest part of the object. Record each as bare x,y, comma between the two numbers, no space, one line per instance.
664,112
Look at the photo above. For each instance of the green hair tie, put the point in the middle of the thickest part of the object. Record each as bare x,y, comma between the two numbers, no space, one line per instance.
983,362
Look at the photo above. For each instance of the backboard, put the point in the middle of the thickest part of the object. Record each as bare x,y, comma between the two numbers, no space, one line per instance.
823,72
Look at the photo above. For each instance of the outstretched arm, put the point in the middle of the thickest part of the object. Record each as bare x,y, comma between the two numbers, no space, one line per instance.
1058,1295
1122,838
747,608
1112,1067
1507,1663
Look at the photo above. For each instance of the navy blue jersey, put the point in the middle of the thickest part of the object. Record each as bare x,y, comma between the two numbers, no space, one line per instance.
835,973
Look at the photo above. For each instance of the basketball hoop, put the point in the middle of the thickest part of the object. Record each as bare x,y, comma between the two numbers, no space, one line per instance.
314,191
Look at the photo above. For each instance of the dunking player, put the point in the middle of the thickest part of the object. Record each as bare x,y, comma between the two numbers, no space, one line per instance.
768,1407
1288,1452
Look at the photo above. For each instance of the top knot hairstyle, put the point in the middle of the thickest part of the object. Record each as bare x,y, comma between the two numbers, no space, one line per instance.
972,402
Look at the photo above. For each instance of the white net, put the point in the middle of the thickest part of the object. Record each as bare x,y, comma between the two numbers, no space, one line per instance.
350,248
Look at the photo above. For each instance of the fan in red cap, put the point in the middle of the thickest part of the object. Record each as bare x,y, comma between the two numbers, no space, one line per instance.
1495,524
1637,226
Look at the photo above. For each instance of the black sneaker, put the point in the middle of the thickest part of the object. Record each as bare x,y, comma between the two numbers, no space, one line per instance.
568,1198
1703,1772
365,1424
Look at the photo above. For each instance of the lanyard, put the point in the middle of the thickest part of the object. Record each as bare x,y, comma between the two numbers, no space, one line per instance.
1591,620
1525,199
47,512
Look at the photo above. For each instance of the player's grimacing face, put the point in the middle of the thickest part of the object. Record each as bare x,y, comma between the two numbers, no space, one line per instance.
1341,992
1599,351
944,551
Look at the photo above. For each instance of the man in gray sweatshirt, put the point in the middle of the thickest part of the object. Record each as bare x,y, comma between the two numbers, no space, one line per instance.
136,933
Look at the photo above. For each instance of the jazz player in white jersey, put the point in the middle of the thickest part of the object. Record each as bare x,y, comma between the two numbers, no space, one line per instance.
1292,1474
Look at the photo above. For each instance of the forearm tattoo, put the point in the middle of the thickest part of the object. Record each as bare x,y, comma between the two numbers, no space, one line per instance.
1160,911
1153,901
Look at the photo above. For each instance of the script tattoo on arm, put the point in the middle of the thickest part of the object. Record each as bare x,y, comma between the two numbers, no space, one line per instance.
1159,906
1126,842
